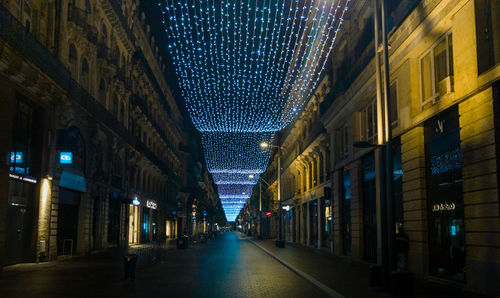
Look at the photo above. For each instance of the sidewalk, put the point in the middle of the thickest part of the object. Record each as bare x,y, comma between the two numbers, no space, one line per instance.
95,275
347,277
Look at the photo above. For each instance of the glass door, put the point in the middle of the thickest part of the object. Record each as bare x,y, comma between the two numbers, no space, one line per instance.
445,196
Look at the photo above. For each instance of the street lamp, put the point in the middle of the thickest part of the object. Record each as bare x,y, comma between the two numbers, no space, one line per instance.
279,242
384,125
260,200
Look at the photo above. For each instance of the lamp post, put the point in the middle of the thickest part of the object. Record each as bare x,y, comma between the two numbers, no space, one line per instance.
279,241
260,199
384,125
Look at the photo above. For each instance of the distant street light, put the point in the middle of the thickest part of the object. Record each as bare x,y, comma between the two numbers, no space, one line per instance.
251,176
279,242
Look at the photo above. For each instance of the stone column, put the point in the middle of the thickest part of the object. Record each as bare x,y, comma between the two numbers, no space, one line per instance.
480,187
415,198
336,201
356,210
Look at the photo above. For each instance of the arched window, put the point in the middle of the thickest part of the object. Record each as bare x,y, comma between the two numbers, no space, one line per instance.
88,9
102,92
104,35
122,112
117,172
85,67
71,6
70,140
72,56
149,183
138,181
114,106
84,77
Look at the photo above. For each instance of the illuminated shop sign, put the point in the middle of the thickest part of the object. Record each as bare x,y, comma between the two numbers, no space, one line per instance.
16,157
136,201
443,207
22,178
151,204
66,158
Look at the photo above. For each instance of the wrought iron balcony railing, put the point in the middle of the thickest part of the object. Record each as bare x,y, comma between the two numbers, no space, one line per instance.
15,35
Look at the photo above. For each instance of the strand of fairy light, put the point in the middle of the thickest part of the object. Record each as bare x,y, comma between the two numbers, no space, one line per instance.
217,86
300,72
325,60
247,43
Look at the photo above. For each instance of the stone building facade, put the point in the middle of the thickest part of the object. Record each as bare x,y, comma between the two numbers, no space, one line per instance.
90,133
444,88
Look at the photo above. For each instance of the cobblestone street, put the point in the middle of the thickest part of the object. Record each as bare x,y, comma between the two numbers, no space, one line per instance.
226,267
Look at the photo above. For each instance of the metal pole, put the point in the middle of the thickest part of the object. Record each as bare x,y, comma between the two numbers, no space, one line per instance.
260,207
389,178
279,193
380,132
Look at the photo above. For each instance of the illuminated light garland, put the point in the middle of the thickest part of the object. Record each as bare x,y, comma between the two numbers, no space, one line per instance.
248,66
246,69
235,189
237,153
235,178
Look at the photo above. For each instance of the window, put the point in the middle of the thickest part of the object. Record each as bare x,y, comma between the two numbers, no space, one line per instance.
488,34
368,120
114,109
102,92
343,142
436,70
85,67
104,35
393,92
122,112
72,54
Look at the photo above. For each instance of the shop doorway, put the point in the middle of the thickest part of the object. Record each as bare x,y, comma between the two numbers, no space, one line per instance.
67,221
133,225
322,219
369,208
346,212
445,196
145,225
113,220
313,222
153,225
19,223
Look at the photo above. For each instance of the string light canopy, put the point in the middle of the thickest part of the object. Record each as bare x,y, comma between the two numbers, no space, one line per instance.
245,70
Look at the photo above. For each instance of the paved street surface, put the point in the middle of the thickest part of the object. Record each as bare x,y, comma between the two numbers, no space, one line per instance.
226,267
348,277
231,266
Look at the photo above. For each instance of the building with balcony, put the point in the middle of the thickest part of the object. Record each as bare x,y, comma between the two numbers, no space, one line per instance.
444,98
91,135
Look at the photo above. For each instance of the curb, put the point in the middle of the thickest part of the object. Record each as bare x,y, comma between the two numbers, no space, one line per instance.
329,291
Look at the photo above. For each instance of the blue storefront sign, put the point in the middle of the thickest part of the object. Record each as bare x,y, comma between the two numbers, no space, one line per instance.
66,158
74,181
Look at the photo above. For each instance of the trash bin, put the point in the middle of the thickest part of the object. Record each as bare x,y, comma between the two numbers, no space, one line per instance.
129,265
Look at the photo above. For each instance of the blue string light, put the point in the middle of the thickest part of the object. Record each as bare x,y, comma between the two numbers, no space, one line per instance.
245,70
